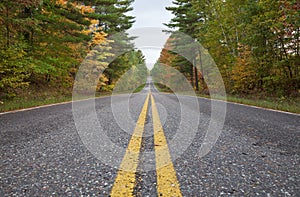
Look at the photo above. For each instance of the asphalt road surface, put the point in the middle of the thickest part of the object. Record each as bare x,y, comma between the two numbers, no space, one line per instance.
156,149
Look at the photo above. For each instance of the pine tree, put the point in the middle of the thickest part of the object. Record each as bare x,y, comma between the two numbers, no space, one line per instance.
43,34
112,14
185,20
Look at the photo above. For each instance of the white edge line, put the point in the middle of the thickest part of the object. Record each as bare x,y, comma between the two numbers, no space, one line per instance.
54,104
198,97
230,102
62,103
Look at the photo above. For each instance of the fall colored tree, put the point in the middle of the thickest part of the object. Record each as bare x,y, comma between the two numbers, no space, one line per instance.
42,43
254,43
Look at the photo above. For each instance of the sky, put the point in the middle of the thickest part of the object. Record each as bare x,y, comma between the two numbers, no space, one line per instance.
151,13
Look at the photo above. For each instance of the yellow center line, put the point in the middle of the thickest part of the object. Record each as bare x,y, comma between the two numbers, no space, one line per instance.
167,183
125,180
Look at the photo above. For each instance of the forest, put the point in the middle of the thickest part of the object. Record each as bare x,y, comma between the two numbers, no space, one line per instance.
43,43
255,44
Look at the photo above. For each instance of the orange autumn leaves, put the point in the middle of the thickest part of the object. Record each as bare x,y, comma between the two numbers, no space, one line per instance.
98,36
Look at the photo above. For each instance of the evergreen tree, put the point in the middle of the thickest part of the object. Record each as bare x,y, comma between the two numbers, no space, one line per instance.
254,43
112,14
43,35
185,21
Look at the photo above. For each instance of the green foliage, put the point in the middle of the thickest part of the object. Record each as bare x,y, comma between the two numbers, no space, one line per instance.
130,67
254,43
112,14
15,70
44,42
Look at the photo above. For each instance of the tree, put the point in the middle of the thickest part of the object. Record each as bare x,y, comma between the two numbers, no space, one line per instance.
52,37
185,21
43,36
255,39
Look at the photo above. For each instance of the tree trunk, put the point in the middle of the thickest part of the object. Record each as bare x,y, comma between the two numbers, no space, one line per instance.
7,28
196,74
192,75
201,68
27,13
196,79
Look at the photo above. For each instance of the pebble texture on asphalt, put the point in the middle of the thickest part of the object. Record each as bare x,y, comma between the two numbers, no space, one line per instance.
257,154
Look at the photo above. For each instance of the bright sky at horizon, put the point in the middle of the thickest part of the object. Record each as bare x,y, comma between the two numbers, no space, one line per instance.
151,14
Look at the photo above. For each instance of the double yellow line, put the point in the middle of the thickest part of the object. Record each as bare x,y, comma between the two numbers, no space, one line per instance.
167,183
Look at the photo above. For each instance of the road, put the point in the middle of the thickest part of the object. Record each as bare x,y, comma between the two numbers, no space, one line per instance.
44,154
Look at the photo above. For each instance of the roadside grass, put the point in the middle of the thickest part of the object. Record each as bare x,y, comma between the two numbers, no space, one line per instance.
162,88
21,103
139,88
282,104
287,104
31,98
28,99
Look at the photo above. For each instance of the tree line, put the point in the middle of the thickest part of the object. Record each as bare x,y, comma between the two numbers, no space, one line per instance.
43,42
255,43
